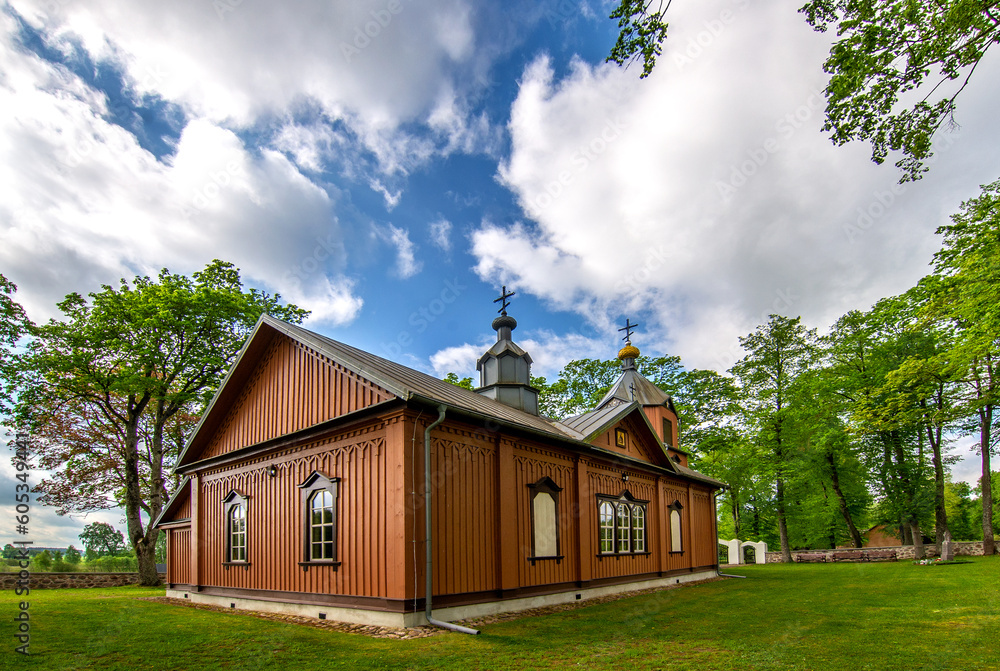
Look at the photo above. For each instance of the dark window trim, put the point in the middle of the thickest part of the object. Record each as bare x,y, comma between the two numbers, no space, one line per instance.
678,506
233,499
668,432
317,482
624,498
545,485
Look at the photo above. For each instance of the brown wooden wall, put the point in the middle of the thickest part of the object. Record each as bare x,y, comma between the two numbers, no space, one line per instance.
481,515
275,519
293,387
184,509
607,481
463,477
179,555
638,445
532,463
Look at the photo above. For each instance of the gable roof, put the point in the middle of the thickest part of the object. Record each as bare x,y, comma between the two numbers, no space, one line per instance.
181,495
407,385
632,386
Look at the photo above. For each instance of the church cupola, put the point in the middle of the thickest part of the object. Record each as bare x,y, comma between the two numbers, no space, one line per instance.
628,354
505,368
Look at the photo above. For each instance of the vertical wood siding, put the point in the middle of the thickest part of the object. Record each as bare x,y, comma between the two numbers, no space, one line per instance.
532,463
179,556
704,544
638,443
678,492
292,388
184,510
276,519
607,481
463,481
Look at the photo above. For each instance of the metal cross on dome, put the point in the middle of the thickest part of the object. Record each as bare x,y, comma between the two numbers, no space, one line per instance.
628,330
503,297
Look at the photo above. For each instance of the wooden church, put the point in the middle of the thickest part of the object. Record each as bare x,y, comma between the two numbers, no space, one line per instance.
325,481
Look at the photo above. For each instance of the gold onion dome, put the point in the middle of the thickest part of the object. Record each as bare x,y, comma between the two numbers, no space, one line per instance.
628,352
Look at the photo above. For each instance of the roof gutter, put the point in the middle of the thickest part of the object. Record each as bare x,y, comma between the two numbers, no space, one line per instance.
429,573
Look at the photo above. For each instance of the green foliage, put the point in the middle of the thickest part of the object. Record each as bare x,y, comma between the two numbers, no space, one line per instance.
898,67
102,540
14,324
9,551
161,548
72,556
642,32
42,561
114,388
464,383
820,616
124,564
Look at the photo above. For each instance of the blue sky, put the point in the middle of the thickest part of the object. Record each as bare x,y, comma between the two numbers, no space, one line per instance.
390,164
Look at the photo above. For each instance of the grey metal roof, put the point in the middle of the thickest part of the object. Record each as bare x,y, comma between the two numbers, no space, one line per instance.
695,475
174,501
406,383
592,422
645,392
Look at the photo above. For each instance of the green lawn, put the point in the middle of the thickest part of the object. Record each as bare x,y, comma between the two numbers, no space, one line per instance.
845,616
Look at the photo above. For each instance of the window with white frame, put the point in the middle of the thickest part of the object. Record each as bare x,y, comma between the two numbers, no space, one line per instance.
621,525
319,508
607,527
235,510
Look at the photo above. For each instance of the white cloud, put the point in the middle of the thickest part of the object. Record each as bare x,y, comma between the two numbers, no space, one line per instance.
441,234
406,262
391,198
706,197
83,196
549,351
459,359
375,66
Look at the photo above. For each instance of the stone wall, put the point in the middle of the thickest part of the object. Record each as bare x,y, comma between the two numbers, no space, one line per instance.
967,548
8,581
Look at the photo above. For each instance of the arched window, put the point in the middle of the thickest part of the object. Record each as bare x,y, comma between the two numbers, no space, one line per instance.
321,525
676,536
638,529
235,508
607,527
544,519
319,514
621,525
237,533
623,528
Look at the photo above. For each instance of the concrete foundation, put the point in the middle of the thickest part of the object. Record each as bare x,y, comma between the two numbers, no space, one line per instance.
385,619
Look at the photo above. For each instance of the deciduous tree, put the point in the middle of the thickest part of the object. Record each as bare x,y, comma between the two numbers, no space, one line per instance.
103,539
14,324
777,353
112,383
968,299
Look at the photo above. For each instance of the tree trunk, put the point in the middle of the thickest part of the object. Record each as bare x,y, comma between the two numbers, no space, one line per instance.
918,539
842,502
940,512
145,554
906,535
985,482
786,552
736,512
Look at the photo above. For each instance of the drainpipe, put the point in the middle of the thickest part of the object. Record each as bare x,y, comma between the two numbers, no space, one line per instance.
428,589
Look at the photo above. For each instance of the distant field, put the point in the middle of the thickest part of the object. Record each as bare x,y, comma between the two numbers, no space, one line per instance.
843,616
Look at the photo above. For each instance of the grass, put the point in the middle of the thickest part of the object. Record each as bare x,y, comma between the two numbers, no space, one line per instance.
803,616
